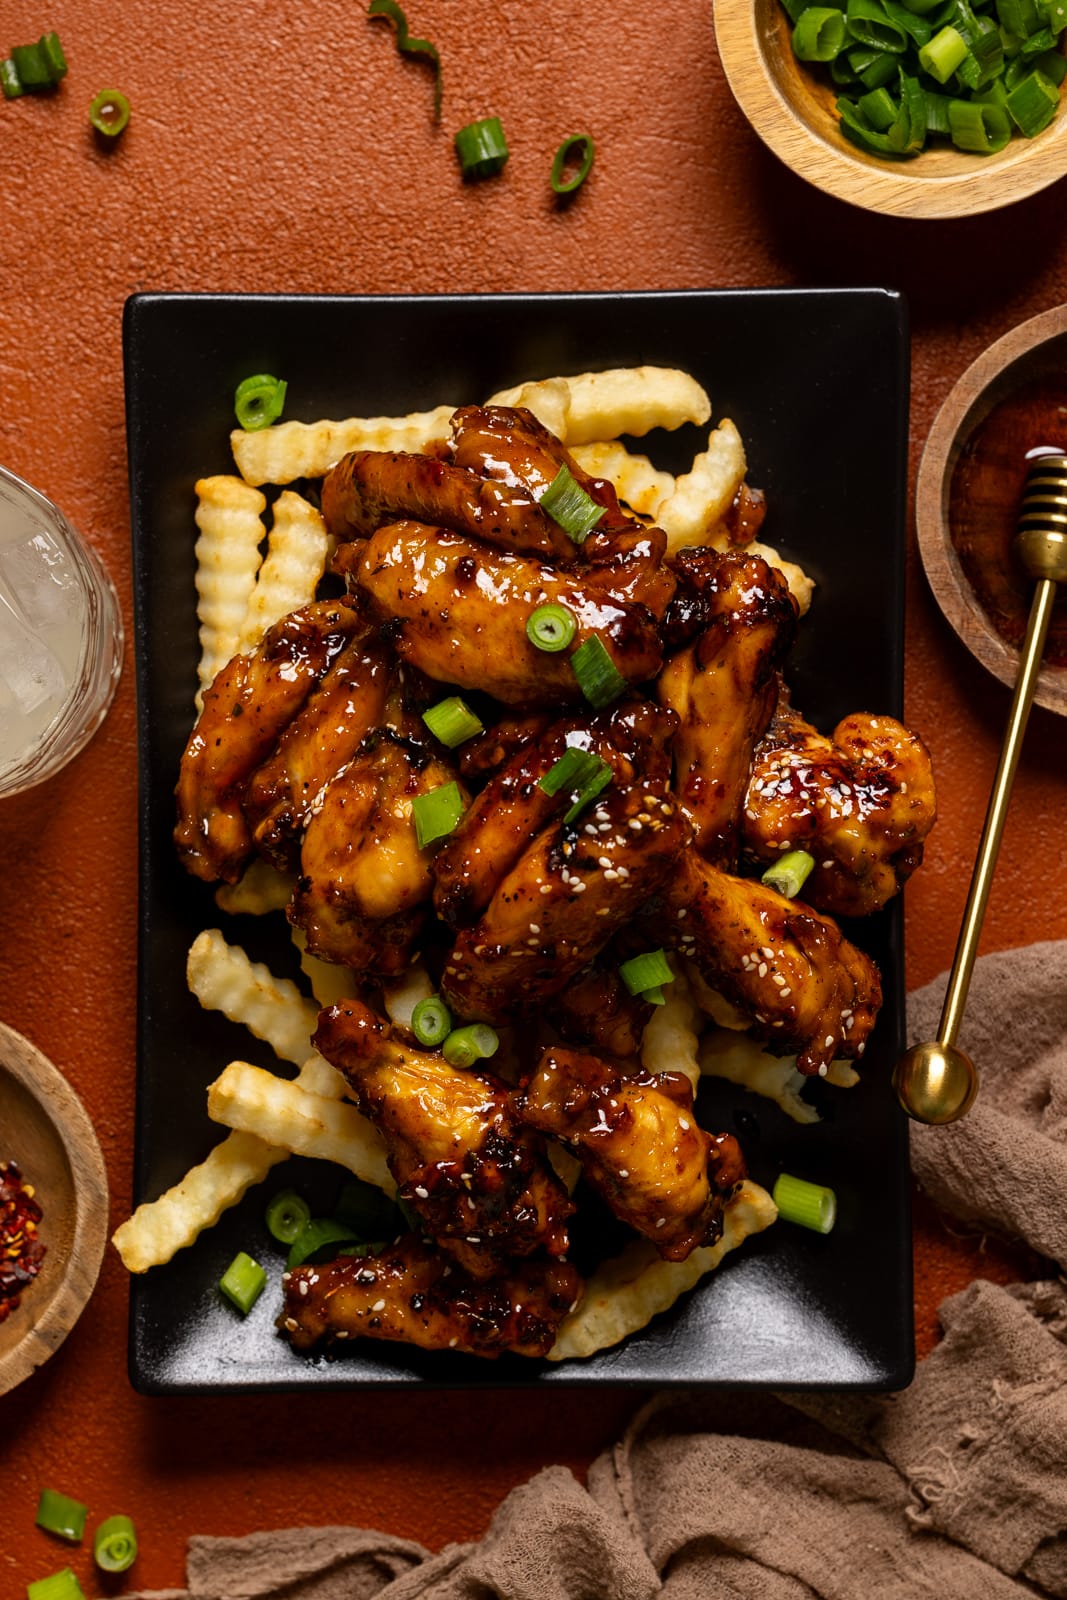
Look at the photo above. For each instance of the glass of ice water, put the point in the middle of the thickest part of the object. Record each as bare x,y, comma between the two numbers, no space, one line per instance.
60,638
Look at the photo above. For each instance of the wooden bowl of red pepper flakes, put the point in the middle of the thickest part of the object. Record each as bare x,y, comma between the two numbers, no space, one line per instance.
53,1208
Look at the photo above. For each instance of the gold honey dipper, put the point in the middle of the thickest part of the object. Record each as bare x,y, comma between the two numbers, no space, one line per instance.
937,1082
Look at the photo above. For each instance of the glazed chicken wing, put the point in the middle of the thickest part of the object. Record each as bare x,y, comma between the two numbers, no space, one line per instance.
250,704
806,988
340,712
368,489
568,895
724,686
479,1180
411,1293
861,802
458,610
637,1138
364,887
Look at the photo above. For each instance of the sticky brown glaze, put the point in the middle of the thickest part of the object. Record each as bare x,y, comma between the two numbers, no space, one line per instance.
364,888
640,1146
724,688
598,1011
347,705
368,489
861,802
458,611
411,1293
570,892
247,708
745,515
487,752
513,807
622,555
807,989
479,1181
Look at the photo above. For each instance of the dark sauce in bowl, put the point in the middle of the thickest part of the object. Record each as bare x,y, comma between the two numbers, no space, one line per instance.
984,497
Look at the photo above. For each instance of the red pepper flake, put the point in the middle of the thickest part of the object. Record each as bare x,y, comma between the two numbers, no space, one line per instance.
21,1251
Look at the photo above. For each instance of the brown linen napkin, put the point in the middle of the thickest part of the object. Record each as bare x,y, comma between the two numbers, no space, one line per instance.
1005,1164
954,1489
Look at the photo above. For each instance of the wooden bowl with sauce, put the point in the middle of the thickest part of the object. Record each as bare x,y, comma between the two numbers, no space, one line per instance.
790,104
1008,406
45,1130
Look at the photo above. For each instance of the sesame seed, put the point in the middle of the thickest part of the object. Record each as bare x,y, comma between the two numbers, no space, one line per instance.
342,1333
827,864
578,887
860,1048
786,993
823,1070
603,861
472,1238
611,876
768,952
661,1222
604,827
303,1286
423,1194
452,1343
761,970
546,888
683,1124
643,816
574,1306
379,1305
828,1041
776,977
292,1324
682,914
624,1172
636,824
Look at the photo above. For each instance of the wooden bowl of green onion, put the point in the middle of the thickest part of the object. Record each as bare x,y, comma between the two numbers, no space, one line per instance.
53,1185
914,108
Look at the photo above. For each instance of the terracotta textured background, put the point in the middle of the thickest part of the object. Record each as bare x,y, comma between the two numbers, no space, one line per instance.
285,147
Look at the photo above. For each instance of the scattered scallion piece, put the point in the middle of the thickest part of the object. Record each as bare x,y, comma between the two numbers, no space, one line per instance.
598,677
551,627
789,873
431,1021
57,1513
1032,103
258,401
482,148
435,814
243,1282
109,113
578,153
54,55
409,46
320,1233
286,1213
944,53
567,503
9,80
452,721
810,1205
981,128
115,1544
31,64
580,772
647,973
464,1046
57,1586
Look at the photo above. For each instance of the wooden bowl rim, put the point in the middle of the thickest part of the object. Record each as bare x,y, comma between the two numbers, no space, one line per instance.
827,160
60,1106
986,381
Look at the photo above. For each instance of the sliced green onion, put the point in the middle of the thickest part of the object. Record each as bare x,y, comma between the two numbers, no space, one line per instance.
286,1213
109,112
869,24
31,64
368,1212
1053,65
551,627
58,1586
916,27
1019,16
854,127
55,59
808,1204
320,1234
431,1021
978,126
9,80
879,109
654,996
789,873
1054,14
115,1544
880,70
243,1282
577,151
819,34
409,46
482,148
59,1514
435,814
581,772
985,59
258,401
567,503
944,53
464,1046
651,970
1032,103
452,721
598,677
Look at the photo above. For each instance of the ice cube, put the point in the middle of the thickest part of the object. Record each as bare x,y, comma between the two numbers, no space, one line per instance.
38,576
30,673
